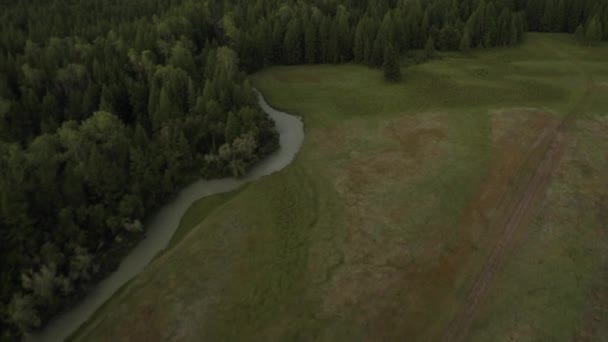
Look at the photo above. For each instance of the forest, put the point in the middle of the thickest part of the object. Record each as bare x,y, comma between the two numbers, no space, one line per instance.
108,108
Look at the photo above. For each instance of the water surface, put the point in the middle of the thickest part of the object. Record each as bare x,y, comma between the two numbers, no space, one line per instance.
161,226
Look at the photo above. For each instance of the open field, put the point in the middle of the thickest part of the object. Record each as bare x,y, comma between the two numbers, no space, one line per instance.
469,202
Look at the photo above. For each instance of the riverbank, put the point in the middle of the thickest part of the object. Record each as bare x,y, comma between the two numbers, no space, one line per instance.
385,221
163,225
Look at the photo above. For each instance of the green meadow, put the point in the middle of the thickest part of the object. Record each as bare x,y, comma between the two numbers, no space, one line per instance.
379,227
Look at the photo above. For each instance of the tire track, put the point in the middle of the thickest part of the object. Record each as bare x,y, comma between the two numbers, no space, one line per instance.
518,211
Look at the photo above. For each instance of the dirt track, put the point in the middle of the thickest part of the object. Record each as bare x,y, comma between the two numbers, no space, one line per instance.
543,159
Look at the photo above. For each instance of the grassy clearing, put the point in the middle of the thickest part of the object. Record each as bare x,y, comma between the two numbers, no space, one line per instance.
374,230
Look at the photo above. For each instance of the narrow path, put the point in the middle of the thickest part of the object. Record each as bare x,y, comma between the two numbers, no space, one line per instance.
545,159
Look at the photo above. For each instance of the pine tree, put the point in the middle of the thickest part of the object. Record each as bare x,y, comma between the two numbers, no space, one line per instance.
391,68
165,109
359,44
560,17
233,127
333,53
513,31
490,26
345,37
549,16
534,13
429,48
384,38
574,15
593,35
518,22
449,38
580,34
292,46
465,41
311,43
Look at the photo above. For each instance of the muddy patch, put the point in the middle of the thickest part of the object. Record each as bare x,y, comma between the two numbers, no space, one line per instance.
379,261
387,274
518,136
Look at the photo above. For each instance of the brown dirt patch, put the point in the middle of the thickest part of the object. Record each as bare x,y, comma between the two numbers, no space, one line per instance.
383,271
418,136
374,279
517,182
332,139
519,136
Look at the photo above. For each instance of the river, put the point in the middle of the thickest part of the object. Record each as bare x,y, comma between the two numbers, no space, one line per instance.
163,225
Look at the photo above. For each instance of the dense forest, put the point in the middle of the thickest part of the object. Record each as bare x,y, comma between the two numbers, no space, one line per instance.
108,107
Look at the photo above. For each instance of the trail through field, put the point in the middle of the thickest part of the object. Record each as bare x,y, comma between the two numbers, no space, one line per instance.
517,209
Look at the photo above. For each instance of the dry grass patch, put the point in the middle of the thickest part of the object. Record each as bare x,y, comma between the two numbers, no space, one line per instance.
518,138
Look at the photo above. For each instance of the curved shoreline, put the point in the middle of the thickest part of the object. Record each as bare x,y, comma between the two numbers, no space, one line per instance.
165,222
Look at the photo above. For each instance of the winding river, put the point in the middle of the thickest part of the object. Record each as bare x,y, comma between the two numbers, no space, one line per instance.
163,225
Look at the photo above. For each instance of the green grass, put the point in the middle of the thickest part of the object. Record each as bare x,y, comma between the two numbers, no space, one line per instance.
555,275
197,213
372,232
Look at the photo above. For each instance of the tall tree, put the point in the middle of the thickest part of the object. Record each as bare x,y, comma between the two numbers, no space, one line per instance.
429,48
580,34
391,68
311,43
465,42
594,32
293,42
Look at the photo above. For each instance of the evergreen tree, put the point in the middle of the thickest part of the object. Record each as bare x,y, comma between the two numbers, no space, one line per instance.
391,68
513,31
465,41
311,43
429,48
559,24
579,34
534,14
548,19
232,127
594,34
345,38
333,53
293,43
449,38
360,41
573,17
384,38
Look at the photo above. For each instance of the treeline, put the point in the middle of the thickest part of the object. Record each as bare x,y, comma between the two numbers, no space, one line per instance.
587,18
108,107
284,32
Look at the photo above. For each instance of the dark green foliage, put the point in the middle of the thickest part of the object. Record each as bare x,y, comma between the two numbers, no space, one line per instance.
580,34
390,67
293,43
429,48
449,38
105,112
465,42
594,32
108,107
311,43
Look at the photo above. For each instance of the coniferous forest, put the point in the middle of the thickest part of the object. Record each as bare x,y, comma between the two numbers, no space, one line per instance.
108,108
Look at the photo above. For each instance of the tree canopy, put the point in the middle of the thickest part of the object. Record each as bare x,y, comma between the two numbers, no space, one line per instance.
109,107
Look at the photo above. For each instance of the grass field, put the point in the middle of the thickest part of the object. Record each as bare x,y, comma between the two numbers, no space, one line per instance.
388,216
